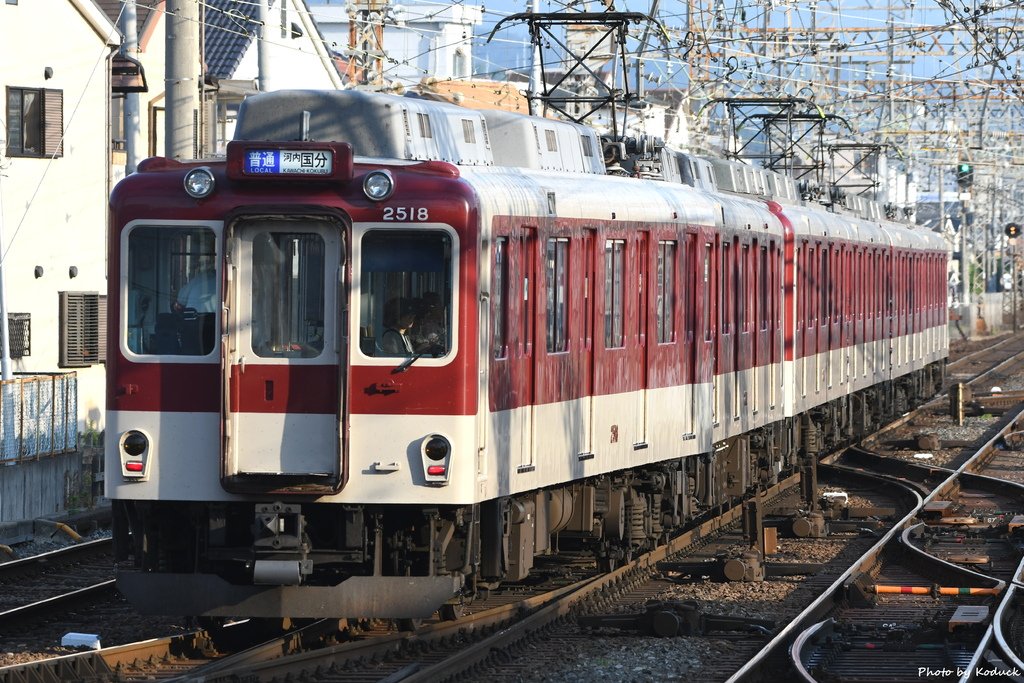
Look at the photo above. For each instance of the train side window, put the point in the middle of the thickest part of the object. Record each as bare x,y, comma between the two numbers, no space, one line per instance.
588,146
799,277
706,288
726,291
810,283
526,264
743,284
824,287
691,287
499,298
468,132
666,301
424,120
552,142
557,260
287,294
762,290
173,291
614,281
406,293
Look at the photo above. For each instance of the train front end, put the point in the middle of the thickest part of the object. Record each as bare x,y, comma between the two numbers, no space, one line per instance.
291,384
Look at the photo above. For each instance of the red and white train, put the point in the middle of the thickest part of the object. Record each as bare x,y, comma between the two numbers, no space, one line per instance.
390,350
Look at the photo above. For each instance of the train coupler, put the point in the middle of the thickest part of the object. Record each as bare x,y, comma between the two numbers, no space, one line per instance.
281,554
675,618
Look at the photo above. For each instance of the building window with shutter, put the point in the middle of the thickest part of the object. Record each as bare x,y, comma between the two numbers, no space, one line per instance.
83,327
35,122
19,332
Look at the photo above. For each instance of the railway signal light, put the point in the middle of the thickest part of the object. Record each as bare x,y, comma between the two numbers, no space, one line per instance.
1012,229
964,174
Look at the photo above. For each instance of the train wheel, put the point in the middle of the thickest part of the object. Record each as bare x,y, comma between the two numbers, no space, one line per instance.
451,611
408,624
230,637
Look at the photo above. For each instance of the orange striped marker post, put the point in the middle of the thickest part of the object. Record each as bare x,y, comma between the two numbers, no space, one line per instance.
934,590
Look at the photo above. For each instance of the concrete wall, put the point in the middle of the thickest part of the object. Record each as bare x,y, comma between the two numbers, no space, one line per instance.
39,488
986,317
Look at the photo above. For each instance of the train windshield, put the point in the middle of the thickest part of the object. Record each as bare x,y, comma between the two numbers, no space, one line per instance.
287,294
406,294
173,290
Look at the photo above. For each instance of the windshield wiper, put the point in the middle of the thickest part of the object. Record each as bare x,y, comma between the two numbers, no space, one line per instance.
404,365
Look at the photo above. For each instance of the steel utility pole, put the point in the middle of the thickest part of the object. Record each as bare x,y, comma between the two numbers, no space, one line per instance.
182,80
262,49
132,120
536,67
5,333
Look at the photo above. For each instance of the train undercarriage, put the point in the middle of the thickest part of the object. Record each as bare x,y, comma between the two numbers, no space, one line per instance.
280,558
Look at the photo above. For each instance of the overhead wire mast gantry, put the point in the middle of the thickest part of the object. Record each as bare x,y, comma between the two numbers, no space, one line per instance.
578,104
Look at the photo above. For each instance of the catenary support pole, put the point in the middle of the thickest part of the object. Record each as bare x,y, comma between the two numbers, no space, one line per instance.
182,81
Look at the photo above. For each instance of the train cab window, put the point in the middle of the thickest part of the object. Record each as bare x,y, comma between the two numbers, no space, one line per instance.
406,294
287,294
614,281
666,301
173,291
557,267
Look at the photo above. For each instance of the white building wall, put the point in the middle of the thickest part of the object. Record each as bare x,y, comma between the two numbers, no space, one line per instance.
54,211
295,62
420,40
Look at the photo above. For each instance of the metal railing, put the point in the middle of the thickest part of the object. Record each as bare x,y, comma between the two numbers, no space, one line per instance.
38,416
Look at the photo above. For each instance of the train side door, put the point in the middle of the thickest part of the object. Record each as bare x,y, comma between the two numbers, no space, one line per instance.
762,322
744,363
823,292
643,256
512,344
728,303
283,404
709,366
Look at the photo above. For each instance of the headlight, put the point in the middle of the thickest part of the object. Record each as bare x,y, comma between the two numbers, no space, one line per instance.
437,448
378,185
199,182
135,443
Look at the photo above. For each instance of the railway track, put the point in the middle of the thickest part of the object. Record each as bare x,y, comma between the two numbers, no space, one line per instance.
488,632
48,575
911,606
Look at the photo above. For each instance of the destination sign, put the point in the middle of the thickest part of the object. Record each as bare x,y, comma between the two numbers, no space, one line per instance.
288,162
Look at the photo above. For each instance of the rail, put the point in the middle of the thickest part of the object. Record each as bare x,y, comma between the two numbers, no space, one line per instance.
755,669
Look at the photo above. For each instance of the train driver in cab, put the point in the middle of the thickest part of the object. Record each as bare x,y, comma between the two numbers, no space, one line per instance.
399,319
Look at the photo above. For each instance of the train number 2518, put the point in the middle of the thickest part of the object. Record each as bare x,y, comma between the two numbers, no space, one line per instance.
406,213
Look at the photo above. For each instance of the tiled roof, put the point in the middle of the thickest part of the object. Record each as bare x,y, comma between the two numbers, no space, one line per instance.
230,28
